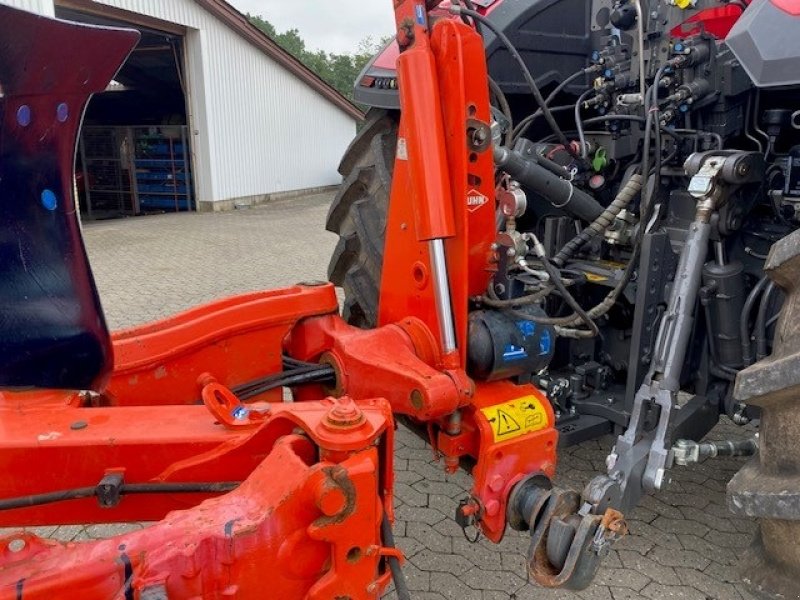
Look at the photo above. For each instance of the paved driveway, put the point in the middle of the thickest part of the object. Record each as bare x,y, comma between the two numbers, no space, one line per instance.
683,544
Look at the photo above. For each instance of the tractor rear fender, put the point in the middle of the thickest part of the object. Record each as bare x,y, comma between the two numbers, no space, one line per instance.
554,46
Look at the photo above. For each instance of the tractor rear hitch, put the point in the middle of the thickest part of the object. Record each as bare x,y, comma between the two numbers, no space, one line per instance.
568,539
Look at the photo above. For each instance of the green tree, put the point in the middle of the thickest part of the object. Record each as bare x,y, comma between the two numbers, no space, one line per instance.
338,70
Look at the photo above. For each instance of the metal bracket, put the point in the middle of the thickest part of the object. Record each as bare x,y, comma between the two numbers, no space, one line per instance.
640,459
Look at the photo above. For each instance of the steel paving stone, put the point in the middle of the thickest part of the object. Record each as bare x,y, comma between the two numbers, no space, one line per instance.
683,544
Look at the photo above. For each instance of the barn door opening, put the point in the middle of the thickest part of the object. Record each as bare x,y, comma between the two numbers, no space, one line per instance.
134,154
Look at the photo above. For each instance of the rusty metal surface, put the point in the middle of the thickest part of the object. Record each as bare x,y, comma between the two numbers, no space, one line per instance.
769,486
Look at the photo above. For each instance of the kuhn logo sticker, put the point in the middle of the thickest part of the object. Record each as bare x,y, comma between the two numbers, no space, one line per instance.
475,200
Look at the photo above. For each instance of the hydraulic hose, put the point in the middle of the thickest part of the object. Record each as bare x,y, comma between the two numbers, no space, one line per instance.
609,301
398,577
504,108
578,315
559,192
555,277
579,122
744,322
297,372
628,192
537,94
523,125
294,376
219,487
761,320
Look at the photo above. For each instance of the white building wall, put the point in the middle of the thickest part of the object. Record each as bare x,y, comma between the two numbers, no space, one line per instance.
257,129
267,131
42,7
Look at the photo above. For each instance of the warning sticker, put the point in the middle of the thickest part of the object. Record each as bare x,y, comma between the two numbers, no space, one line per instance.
516,418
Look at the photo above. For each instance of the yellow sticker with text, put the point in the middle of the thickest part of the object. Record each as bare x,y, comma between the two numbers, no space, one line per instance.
595,277
516,418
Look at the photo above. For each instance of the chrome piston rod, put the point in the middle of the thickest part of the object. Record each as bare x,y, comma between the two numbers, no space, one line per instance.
441,286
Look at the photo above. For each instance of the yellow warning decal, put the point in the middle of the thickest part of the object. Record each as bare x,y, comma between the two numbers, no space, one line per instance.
594,277
609,264
515,418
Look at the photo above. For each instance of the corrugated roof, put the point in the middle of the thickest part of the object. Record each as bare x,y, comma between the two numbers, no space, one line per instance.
239,23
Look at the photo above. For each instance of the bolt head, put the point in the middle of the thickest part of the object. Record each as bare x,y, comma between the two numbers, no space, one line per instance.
331,501
496,484
659,479
344,414
611,460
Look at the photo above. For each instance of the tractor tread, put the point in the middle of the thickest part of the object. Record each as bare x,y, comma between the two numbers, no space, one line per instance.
358,215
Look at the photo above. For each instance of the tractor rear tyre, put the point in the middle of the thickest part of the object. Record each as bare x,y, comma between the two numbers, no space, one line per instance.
358,216
768,487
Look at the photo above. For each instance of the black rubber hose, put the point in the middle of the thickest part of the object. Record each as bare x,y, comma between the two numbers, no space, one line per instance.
555,279
537,94
653,91
399,578
761,321
579,121
628,192
632,119
299,376
611,299
613,295
218,487
653,111
645,202
128,488
471,5
293,363
491,299
49,498
559,192
744,321
525,124
505,108
644,217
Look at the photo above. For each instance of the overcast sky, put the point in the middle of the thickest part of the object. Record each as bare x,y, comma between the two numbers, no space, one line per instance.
332,25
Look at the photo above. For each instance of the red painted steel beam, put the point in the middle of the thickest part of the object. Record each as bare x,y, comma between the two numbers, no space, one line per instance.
236,339
304,524
47,447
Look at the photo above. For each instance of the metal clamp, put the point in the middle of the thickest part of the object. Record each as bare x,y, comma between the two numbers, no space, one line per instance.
109,490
